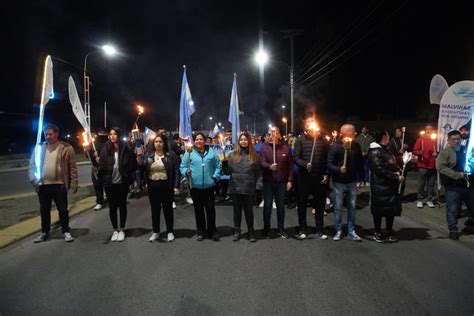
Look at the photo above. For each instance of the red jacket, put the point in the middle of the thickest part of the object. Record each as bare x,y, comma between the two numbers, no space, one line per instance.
284,159
429,147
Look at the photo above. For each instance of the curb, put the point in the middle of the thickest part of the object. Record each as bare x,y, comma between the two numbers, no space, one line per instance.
26,228
6,170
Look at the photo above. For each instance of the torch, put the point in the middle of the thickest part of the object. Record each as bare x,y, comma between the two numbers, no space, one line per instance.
274,144
314,129
140,111
406,159
346,144
85,143
189,150
403,135
285,121
222,143
422,135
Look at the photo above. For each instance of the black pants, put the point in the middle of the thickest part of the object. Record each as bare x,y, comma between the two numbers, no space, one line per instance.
246,202
204,199
274,190
98,188
378,223
117,197
57,193
311,185
161,195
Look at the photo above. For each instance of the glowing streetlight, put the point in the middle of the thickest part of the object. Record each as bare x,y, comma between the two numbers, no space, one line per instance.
283,106
109,50
261,58
220,124
210,118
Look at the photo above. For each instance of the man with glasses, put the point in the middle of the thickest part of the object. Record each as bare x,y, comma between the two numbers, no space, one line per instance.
458,185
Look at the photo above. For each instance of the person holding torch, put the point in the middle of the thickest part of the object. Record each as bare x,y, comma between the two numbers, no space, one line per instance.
311,150
345,164
277,163
425,149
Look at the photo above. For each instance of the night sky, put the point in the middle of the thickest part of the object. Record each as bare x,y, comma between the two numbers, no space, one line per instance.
381,70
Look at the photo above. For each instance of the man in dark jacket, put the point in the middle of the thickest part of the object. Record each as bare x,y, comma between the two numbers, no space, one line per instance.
312,176
344,178
277,164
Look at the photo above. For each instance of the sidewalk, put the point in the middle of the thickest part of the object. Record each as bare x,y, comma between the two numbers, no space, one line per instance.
19,217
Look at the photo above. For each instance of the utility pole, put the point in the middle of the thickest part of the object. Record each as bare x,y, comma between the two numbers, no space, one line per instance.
105,114
291,33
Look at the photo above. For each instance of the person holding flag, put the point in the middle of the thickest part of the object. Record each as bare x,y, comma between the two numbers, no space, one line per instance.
58,175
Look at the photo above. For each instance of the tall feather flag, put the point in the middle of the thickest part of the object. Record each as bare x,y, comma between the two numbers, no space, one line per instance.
186,109
149,135
46,91
234,111
77,108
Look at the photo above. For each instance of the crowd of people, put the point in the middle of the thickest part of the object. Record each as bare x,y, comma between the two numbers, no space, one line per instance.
274,169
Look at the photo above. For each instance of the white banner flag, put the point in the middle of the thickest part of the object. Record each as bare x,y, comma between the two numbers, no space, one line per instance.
438,88
455,109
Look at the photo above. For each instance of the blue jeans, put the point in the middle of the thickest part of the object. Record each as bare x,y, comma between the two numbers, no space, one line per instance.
454,196
349,191
274,190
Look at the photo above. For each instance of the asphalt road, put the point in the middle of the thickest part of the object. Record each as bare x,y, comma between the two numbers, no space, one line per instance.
424,274
16,182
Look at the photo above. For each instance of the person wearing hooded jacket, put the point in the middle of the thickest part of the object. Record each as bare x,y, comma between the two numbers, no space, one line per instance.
204,171
385,178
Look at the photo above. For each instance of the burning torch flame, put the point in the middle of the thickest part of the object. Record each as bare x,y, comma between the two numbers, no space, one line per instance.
140,109
422,133
328,138
334,134
284,120
433,136
85,138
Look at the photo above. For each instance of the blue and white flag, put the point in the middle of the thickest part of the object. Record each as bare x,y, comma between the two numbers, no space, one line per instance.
186,109
214,131
234,112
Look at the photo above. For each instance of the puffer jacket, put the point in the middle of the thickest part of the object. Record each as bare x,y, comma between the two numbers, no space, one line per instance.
67,160
284,159
171,163
303,148
245,177
205,168
127,164
384,182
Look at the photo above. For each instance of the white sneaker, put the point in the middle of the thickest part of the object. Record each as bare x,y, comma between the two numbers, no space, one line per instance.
174,205
114,236
261,204
274,205
98,207
367,184
121,236
338,236
328,201
68,237
322,236
301,236
354,237
189,200
430,204
170,237
419,204
154,237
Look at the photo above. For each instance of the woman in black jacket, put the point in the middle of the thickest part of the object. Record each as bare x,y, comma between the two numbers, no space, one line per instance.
384,181
117,162
162,169
244,169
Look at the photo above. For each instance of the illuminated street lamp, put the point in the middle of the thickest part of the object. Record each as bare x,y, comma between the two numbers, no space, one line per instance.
108,50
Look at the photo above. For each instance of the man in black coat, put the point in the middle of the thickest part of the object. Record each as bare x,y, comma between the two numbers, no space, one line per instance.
312,176
344,178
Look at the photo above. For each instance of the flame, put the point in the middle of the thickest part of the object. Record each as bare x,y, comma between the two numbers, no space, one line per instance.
284,120
140,109
347,139
85,139
328,138
422,133
433,136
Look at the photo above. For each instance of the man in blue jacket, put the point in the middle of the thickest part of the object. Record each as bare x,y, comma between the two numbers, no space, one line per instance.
344,178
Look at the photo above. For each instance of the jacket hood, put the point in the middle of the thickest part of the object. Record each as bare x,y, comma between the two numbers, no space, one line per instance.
374,145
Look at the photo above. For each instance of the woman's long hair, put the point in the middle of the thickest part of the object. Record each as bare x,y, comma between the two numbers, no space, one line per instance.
110,146
237,152
164,139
